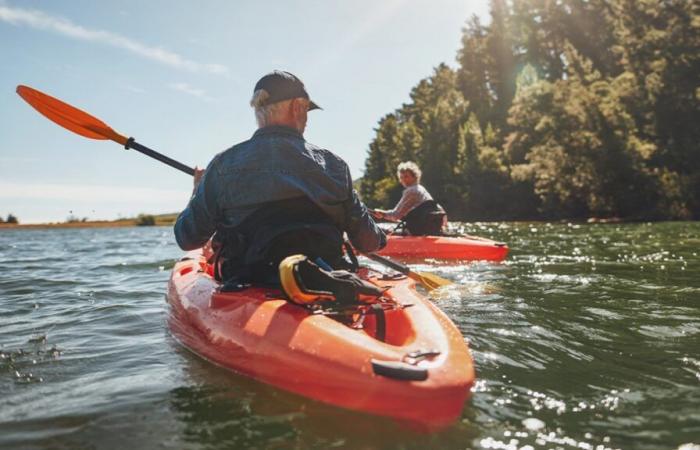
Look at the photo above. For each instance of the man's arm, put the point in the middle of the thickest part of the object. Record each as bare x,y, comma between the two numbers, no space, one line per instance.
410,198
197,223
363,232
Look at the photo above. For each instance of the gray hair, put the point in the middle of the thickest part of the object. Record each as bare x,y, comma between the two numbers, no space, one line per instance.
263,111
409,166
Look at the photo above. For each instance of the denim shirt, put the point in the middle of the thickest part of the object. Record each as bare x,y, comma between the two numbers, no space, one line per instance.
275,164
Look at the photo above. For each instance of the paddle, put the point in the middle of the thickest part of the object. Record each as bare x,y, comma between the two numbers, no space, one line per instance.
82,123
429,280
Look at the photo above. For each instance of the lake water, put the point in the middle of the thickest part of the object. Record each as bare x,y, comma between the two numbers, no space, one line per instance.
587,337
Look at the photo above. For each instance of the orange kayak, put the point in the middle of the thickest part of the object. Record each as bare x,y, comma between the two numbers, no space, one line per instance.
408,362
467,248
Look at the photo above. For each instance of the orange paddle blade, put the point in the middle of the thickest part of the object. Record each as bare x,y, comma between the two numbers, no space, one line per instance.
429,280
69,117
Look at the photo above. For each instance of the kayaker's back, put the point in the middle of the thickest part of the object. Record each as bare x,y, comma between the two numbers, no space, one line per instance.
277,164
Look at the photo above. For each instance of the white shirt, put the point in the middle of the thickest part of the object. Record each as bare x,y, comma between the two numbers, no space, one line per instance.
412,196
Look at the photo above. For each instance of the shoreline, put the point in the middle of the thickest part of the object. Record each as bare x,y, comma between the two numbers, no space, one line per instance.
153,220
95,224
169,220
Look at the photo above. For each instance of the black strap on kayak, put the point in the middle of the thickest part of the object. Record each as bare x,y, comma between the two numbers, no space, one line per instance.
400,228
380,320
217,265
354,315
351,254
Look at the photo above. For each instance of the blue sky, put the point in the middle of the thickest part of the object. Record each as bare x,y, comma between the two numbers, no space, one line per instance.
178,77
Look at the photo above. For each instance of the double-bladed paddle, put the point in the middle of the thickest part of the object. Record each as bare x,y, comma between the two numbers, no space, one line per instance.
82,123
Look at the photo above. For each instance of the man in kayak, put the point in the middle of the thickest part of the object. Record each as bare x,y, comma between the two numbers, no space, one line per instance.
275,194
418,211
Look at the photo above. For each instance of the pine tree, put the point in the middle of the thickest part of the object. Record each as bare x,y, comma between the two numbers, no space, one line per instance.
566,108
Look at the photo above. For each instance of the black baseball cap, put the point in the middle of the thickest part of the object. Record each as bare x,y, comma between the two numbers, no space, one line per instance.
283,85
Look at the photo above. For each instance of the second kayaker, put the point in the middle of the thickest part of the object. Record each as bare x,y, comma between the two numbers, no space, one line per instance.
275,194
419,213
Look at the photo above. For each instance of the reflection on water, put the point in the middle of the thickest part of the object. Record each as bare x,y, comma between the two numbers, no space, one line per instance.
585,337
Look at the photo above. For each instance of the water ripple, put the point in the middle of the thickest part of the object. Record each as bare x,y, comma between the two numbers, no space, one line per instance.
585,337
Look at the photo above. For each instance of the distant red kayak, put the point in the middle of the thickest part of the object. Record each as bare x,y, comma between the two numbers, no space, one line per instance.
408,363
467,248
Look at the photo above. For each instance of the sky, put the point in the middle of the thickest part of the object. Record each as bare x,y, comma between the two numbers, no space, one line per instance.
178,75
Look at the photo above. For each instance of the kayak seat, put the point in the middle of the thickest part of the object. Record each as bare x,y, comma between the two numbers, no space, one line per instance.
304,282
428,218
346,297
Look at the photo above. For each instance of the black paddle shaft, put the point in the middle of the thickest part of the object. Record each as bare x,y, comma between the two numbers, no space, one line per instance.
131,143
387,262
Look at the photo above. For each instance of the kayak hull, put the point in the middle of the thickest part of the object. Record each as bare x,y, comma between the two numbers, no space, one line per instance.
466,248
257,333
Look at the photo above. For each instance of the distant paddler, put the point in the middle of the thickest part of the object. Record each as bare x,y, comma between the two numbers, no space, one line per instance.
417,211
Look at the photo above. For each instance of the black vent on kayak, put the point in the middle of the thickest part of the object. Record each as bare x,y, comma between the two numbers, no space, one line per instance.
399,370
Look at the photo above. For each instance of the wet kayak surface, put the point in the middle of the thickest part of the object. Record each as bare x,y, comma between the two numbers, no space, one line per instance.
586,336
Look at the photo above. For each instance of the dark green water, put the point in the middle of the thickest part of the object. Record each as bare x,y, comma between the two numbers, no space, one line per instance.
587,337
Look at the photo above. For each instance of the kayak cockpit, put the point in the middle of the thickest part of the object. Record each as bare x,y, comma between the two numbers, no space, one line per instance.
386,322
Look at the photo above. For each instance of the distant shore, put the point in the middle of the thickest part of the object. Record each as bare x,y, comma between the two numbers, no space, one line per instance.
169,220
141,220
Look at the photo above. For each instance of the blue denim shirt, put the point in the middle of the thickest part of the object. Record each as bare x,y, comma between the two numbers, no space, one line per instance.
275,164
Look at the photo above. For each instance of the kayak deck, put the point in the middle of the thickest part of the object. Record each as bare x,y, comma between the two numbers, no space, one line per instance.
466,248
421,373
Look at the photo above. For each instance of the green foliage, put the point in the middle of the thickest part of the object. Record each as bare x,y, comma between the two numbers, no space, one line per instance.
11,218
558,109
145,220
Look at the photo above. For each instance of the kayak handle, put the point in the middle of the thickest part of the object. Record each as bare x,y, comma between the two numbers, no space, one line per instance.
399,370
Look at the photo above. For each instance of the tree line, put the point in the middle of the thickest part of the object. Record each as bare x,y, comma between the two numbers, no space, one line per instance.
557,109
11,218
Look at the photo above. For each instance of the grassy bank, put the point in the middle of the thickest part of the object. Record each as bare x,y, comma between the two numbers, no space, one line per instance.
141,220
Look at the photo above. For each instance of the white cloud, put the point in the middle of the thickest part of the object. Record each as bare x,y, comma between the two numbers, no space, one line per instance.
42,21
190,90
